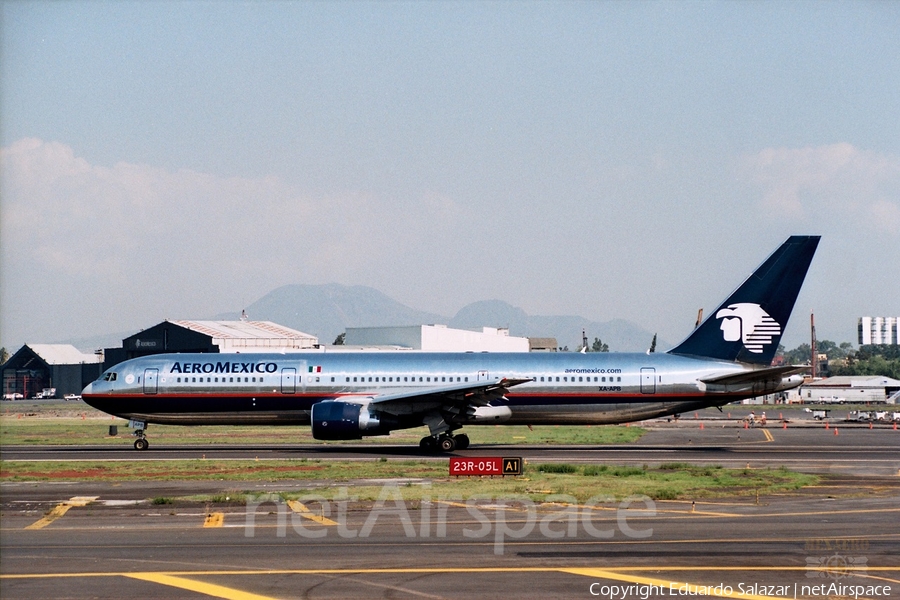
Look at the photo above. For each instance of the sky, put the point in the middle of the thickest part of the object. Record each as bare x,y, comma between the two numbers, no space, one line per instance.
631,160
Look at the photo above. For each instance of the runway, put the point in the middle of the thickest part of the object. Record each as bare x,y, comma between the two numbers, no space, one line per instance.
853,451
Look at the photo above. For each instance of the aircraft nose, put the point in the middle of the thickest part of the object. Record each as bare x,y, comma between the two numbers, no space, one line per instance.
87,390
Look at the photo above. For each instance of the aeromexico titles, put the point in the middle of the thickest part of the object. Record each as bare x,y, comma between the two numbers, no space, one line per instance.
348,395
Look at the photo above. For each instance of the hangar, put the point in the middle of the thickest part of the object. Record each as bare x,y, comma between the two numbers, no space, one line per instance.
436,338
852,389
58,367
210,336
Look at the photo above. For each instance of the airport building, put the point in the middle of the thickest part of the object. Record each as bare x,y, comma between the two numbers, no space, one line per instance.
48,370
856,389
210,336
436,338
879,330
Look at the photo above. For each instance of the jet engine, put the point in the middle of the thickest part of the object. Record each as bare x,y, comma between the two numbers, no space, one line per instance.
343,421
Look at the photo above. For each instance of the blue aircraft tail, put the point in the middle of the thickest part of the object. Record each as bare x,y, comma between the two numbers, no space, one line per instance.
747,327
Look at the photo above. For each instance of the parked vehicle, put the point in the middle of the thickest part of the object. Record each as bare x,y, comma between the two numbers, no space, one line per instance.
861,416
818,413
68,397
13,396
829,400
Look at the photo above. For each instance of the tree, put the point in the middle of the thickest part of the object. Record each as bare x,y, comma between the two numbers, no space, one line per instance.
339,340
4,355
599,346
871,359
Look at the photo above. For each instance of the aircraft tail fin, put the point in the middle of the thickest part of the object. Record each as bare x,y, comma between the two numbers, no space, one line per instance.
747,327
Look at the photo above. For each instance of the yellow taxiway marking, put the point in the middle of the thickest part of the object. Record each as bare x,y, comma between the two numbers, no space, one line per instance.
209,589
618,573
768,435
300,508
61,509
215,519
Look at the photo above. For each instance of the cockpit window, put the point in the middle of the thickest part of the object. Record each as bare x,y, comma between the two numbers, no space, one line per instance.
109,377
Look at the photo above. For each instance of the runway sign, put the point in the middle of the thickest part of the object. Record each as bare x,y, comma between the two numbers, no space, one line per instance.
490,465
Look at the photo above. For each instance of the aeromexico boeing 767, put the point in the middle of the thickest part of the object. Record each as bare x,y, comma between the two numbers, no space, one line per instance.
348,395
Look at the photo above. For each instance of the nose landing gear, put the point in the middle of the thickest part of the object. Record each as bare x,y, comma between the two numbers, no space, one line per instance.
141,442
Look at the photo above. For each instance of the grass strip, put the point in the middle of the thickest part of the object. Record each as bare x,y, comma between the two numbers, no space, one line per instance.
428,478
68,430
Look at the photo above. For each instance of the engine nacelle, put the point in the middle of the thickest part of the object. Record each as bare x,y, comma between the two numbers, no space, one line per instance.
342,421
490,413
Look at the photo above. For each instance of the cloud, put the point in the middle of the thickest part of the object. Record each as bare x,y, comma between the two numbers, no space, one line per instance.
138,239
73,216
837,179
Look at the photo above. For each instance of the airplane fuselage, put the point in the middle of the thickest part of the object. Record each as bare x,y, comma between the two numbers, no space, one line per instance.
281,389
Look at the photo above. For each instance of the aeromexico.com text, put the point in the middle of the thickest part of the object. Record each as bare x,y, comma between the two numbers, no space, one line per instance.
224,367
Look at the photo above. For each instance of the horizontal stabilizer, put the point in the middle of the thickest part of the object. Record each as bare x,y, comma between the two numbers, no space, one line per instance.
756,375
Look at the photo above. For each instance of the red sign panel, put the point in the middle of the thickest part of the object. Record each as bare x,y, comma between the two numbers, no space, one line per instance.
489,465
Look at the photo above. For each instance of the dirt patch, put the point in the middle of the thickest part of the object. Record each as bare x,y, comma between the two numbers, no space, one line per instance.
108,473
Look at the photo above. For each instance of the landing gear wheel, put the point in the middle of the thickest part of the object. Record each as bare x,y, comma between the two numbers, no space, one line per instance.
447,443
428,443
141,444
462,441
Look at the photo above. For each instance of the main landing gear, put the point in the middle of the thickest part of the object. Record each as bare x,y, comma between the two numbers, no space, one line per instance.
444,442
141,442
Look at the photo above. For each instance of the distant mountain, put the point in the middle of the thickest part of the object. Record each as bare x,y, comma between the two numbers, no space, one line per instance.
327,310
620,335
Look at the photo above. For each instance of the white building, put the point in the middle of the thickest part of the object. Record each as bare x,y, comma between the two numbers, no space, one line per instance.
879,330
854,388
437,338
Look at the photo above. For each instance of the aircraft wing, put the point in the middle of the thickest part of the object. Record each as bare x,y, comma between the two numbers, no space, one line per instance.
459,396
766,374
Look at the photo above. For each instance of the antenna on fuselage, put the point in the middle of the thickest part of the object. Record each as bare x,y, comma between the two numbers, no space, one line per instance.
699,318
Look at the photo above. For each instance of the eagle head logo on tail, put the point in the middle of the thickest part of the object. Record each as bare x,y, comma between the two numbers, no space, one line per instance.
750,324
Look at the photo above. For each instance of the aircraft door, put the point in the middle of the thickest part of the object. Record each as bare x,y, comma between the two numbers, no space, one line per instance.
288,381
151,376
482,375
648,380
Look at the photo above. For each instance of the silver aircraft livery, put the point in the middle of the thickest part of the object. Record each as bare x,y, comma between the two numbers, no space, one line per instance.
348,395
